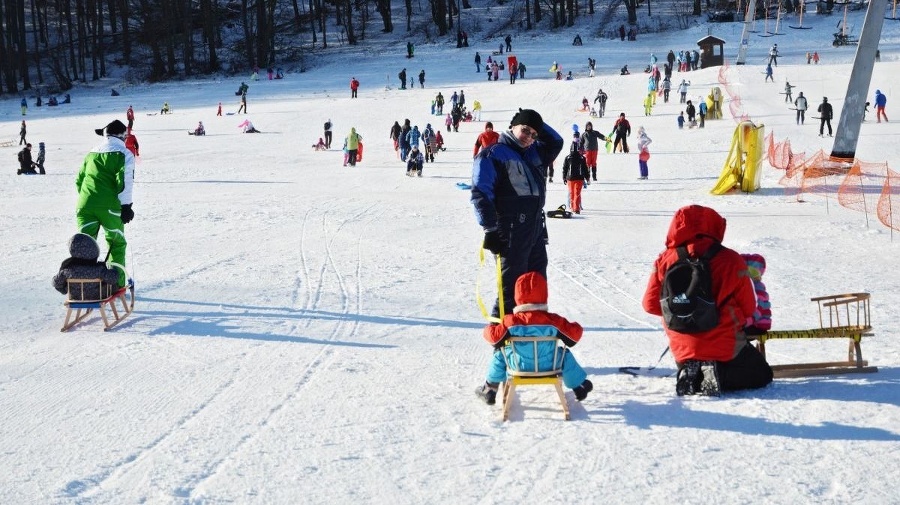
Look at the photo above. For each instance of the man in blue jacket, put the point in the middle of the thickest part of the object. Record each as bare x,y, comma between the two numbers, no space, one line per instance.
509,192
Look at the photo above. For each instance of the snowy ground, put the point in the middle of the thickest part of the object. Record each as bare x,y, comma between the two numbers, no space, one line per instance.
308,333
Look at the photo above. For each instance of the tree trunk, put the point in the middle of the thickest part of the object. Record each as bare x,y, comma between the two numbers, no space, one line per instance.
408,15
384,8
439,15
631,9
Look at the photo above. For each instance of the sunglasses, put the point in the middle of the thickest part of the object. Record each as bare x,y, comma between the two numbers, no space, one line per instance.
527,130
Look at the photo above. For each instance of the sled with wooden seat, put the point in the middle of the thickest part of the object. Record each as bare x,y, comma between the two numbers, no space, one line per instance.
120,303
840,316
517,375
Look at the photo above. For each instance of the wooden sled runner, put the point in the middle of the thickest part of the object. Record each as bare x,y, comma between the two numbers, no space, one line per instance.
82,308
840,316
518,377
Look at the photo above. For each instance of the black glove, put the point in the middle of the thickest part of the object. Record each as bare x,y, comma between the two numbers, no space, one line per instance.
495,242
127,214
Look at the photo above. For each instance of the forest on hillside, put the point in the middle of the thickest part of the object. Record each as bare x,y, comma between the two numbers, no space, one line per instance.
50,44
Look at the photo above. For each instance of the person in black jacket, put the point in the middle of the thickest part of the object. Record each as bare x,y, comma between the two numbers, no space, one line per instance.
83,264
575,176
622,128
825,115
26,165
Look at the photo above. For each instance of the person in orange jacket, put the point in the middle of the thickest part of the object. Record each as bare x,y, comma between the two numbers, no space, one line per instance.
721,356
486,139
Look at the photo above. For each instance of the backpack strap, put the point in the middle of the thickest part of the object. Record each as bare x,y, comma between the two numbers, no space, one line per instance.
712,251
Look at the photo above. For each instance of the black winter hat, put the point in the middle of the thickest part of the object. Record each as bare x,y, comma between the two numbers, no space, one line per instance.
114,128
528,118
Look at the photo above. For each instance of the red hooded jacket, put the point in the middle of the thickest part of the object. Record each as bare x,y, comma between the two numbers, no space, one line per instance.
697,228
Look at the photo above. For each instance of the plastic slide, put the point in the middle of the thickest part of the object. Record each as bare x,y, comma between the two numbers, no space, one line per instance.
742,166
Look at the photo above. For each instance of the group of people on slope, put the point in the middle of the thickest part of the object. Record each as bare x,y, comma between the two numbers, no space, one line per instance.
508,195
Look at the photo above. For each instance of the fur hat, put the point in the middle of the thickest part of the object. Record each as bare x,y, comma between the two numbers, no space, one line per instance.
528,118
115,128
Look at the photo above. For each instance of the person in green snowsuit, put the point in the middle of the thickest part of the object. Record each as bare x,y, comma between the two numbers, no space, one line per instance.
104,185
353,146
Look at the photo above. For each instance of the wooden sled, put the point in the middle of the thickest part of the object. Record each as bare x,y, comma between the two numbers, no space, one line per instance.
82,308
518,377
7,143
840,316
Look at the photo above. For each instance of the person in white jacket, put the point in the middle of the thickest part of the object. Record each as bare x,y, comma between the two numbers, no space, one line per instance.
643,151
683,88
801,105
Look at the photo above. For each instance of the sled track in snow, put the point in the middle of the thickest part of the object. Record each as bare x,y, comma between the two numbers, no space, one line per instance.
563,268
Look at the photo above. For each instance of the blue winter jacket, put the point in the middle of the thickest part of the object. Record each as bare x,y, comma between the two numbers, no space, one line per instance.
413,136
508,184
880,99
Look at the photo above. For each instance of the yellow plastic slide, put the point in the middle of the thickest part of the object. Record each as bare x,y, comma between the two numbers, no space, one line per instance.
742,166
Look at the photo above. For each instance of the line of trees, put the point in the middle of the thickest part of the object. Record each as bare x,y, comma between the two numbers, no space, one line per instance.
52,43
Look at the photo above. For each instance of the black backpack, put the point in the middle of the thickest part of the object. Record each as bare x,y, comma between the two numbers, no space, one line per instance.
21,155
688,302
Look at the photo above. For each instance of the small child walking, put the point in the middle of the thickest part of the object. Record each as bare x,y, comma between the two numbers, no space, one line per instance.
644,152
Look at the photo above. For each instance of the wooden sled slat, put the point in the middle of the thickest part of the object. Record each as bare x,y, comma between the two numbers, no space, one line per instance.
534,377
840,316
793,373
81,309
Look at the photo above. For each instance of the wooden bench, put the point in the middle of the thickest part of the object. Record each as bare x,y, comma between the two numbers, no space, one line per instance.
80,308
840,316
533,377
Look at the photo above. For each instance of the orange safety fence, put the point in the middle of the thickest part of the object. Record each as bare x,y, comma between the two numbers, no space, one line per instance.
854,183
860,189
889,202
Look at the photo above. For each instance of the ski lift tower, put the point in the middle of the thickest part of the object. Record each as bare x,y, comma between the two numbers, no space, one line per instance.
847,135
745,34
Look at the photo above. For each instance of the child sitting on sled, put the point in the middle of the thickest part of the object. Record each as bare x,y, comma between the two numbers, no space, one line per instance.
199,130
319,146
83,264
531,318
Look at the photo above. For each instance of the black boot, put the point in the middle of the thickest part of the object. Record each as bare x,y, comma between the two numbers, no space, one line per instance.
582,391
688,379
594,173
488,392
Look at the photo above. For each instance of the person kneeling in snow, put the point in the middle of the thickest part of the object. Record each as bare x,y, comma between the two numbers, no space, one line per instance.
83,264
719,359
531,318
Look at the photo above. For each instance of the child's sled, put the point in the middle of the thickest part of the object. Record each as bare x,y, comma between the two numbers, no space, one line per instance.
560,212
844,316
82,308
519,377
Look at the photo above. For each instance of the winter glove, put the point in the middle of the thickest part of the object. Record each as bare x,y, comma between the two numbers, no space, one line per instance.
127,214
495,242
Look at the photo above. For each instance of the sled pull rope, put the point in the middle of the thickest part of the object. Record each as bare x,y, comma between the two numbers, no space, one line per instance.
479,300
